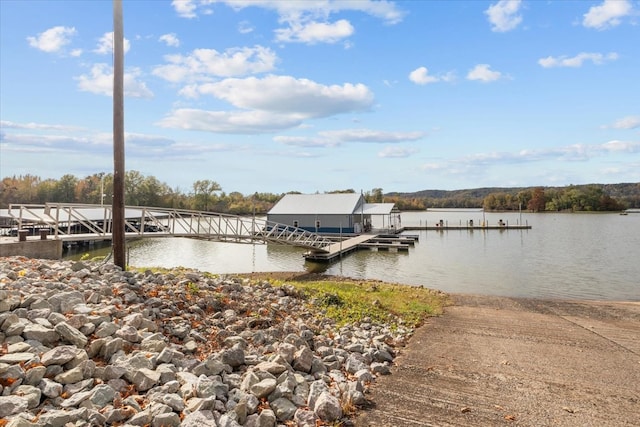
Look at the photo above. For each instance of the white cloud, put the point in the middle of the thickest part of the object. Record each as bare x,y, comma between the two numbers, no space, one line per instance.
483,73
607,14
105,44
170,39
369,135
629,122
421,76
284,94
571,153
396,152
304,141
39,143
296,11
303,21
232,122
576,61
340,137
504,16
100,81
53,39
203,64
434,166
61,139
619,146
269,104
185,8
574,152
315,32
245,27
36,126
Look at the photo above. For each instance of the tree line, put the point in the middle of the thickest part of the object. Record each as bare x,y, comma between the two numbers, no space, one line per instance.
140,190
208,195
572,198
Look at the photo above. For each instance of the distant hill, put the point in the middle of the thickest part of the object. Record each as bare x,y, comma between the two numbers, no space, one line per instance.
626,195
613,190
444,194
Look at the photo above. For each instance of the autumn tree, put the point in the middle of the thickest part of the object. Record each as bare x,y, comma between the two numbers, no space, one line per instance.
538,200
203,193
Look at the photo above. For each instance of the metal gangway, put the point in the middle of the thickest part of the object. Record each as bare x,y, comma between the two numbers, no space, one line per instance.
84,222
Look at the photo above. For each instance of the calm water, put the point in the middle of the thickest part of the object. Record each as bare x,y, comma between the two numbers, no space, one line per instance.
584,256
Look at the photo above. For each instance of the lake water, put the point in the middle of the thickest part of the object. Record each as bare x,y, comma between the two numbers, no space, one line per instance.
576,256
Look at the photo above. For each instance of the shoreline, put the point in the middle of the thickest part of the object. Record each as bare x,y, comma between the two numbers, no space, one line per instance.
309,276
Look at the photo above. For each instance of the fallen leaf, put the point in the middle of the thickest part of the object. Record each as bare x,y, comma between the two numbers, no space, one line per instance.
465,409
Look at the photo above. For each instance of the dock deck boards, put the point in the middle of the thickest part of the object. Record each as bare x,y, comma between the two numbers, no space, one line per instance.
365,241
348,244
338,248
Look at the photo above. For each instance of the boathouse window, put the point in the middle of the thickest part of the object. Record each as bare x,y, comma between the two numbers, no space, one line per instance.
295,223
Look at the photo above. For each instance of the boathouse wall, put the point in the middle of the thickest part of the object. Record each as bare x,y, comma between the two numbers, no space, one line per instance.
320,213
321,223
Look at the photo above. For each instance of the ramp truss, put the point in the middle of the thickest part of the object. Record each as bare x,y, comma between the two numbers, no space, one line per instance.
75,222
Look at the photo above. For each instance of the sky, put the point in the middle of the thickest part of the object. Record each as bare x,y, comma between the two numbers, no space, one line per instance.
314,96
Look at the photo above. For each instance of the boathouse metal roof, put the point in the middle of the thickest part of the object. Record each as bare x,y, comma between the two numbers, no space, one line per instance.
378,208
329,204
301,204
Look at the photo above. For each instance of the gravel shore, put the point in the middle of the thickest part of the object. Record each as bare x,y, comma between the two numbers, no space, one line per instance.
87,344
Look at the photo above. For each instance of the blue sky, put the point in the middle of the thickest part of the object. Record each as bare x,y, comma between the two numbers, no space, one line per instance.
276,96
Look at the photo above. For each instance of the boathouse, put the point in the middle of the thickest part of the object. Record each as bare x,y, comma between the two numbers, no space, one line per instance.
334,213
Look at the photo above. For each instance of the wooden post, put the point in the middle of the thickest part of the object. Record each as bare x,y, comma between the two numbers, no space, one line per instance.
118,137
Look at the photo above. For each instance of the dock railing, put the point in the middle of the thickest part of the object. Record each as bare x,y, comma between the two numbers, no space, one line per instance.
73,221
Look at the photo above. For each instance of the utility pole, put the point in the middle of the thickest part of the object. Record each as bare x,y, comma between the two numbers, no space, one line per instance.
118,230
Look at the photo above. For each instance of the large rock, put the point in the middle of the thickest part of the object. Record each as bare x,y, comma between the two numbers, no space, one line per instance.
46,336
10,405
71,334
59,355
264,388
283,408
327,407
199,419
144,379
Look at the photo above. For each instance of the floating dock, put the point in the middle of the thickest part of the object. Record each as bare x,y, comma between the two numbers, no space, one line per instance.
396,243
469,227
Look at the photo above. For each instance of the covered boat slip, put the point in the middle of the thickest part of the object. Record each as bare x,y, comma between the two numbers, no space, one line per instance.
341,213
347,219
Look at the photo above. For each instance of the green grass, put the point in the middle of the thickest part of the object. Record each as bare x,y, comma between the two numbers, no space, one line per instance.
349,301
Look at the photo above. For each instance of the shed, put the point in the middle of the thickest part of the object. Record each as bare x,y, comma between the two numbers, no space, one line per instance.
330,213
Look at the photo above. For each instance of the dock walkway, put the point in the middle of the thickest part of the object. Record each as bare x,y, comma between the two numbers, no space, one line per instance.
340,248
363,241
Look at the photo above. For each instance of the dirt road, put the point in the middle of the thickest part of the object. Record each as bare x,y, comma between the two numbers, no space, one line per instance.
492,361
